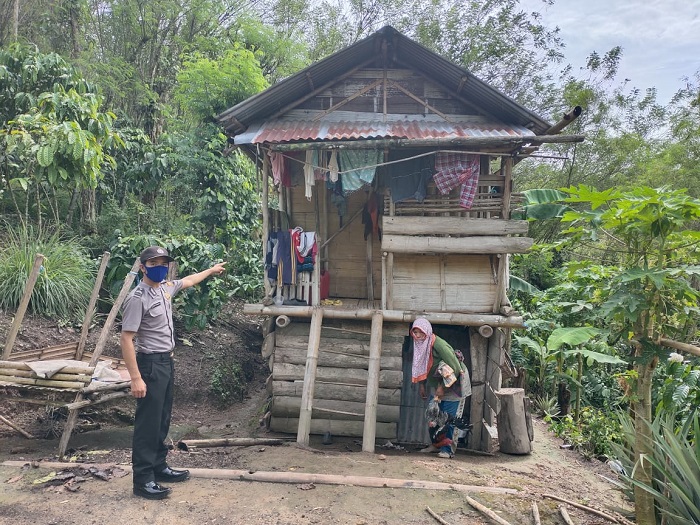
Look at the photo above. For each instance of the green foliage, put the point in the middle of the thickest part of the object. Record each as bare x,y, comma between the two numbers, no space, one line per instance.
65,283
196,306
595,434
677,388
228,383
674,455
207,86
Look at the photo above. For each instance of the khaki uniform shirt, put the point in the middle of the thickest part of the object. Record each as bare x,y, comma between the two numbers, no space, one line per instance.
149,312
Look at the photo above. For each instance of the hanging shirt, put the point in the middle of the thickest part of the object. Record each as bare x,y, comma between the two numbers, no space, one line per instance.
333,167
455,169
309,178
362,163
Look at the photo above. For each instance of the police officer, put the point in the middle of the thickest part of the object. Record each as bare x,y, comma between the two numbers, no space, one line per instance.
147,342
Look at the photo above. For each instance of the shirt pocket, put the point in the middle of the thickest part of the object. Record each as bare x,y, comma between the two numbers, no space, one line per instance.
156,309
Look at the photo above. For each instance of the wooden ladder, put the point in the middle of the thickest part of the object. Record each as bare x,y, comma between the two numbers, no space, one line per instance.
375,350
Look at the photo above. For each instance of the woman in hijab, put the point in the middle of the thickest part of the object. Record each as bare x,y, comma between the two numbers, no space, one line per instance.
436,363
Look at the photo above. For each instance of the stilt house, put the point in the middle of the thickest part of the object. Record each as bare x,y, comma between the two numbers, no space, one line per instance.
386,196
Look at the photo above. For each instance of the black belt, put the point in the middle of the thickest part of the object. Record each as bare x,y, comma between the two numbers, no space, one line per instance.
158,356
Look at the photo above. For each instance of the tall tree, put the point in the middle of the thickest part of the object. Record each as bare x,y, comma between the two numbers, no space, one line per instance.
649,294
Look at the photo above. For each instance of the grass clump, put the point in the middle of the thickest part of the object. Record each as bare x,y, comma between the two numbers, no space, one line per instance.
64,285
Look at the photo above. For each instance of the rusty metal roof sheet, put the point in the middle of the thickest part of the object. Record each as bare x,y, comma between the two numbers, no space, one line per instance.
302,125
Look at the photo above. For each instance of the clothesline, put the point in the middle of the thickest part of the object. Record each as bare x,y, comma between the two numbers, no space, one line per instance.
387,163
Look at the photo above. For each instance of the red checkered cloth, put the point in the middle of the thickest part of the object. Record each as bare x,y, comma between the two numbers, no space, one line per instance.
455,169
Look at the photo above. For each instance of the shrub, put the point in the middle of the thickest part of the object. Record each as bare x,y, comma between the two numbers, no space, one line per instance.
594,435
64,285
228,383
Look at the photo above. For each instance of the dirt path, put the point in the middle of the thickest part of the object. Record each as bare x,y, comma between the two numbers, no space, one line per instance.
548,469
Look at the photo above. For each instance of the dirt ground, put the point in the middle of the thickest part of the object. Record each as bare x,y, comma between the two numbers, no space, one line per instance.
550,469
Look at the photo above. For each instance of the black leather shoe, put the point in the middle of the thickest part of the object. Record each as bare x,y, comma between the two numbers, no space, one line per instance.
151,490
172,475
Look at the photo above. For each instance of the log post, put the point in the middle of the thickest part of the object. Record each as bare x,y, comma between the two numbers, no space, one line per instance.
513,435
307,396
22,308
375,353
265,215
91,306
370,268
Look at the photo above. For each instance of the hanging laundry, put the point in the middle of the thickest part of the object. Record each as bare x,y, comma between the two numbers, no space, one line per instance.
280,170
286,263
455,169
338,198
333,167
409,179
370,215
320,165
309,179
271,257
358,167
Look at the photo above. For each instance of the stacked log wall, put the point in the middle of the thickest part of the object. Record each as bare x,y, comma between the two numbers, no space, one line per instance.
341,378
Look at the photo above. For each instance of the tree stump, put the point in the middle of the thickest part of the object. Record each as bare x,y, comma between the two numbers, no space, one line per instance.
514,422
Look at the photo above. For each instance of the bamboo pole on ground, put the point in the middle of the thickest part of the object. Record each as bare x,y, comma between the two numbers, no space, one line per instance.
597,512
536,513
486,511
186,444
375,353
300,477
436,516
90,311
15,427
565,515
99,347
23,304
19,365
307,397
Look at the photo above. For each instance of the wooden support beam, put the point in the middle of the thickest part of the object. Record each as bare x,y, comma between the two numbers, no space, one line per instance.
391,316
458,245
307,397
407,225
17,428
99,348
375,353
468,142
23,304
90,311
265,215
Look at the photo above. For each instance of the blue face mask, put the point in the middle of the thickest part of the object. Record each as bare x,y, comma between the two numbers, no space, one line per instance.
156,274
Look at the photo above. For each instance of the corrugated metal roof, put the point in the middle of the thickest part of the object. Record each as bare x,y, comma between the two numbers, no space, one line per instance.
402,51
302,125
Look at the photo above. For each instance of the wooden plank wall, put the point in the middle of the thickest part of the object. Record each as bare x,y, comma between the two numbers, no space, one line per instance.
460,283
347,252
341,378
397,101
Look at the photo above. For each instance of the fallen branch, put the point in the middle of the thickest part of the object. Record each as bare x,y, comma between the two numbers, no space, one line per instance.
18,429
90,402
597,512
436,516
301,477
486,511
536,513
565,515
186,444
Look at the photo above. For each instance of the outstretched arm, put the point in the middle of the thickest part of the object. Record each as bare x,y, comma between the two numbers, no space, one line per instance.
195,279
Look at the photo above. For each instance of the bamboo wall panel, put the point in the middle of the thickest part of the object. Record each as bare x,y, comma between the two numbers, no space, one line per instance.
468,283
356,330
336,427
347,254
